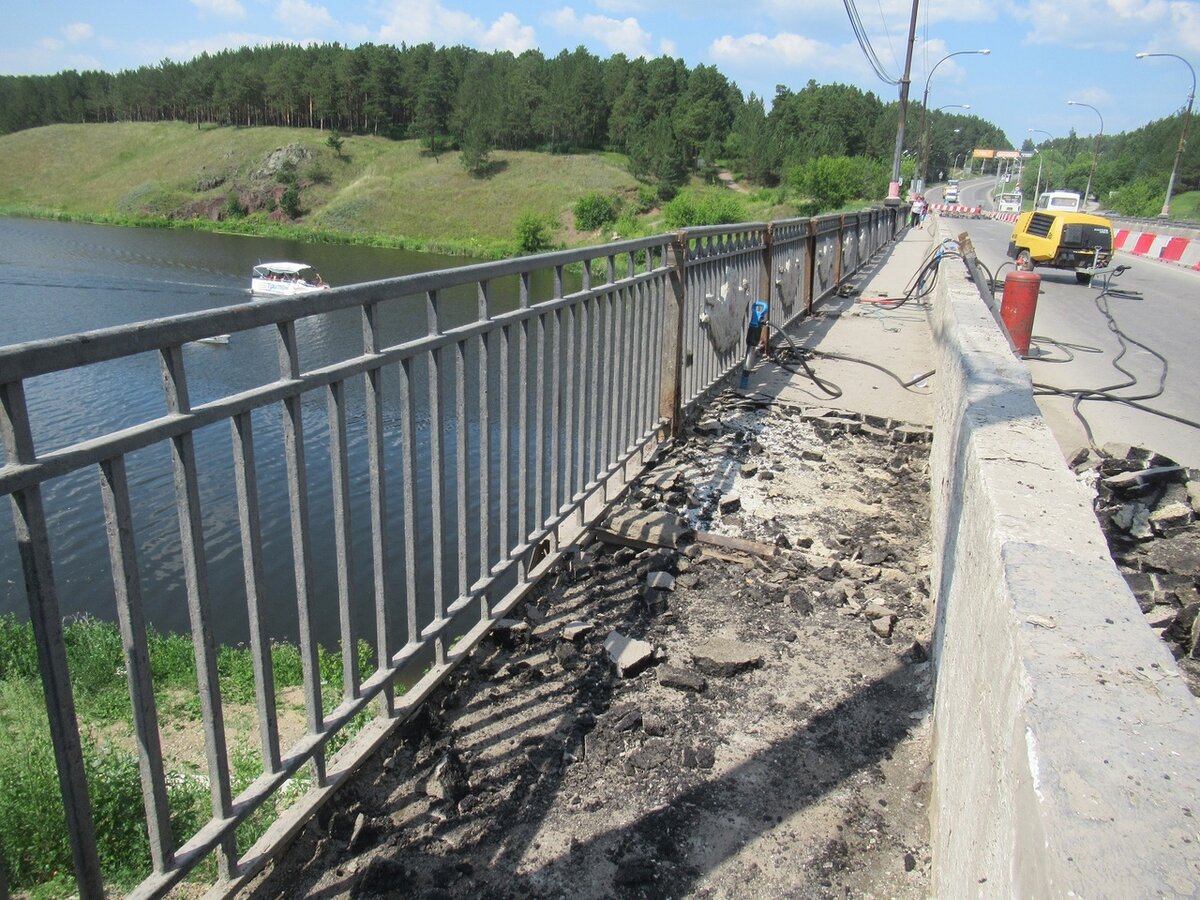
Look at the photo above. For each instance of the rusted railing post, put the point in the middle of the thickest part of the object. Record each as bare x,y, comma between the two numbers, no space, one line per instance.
839,249
670,402
810,265
767,268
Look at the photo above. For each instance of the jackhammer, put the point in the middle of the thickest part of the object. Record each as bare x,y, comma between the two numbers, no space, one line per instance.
758,314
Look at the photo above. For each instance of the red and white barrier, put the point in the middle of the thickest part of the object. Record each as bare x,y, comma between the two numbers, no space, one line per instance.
955,209
1167,248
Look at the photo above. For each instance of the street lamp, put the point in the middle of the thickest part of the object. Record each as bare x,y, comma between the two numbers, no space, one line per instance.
1095,149
925,102
1187,116
1038,187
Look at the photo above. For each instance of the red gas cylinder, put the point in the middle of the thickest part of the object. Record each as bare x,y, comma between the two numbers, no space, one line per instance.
1018,306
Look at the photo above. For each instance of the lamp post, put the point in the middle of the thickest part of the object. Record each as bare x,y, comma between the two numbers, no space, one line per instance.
1038,187
1095,149
925,103
1187,116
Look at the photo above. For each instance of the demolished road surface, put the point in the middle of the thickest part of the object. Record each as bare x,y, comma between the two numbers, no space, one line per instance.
736,705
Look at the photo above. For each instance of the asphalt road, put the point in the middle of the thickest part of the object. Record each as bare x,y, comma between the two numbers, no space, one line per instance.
1154,303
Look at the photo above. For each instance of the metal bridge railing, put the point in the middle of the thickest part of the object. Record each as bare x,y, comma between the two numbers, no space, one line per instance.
484,442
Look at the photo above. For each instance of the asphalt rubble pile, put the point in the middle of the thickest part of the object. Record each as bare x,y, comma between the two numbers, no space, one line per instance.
725,693
1147,506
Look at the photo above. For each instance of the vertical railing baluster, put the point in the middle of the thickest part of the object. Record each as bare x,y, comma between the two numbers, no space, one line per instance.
595,423
408,467
523,423
537,369
460,463
502,445
343,537
246,482
567,347
607,391
33,543
673,301
122,551
377,474
293,447
483,314
191,533
437,470
556,367
647,389
582,423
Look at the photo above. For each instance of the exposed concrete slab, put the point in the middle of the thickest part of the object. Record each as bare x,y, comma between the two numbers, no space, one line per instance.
1064,737
854,326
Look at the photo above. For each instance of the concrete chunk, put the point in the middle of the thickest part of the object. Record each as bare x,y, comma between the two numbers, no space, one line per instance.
681,679
629,655
660,581
646,529
724,658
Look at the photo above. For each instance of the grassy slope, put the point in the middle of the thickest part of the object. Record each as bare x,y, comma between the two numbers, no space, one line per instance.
381,187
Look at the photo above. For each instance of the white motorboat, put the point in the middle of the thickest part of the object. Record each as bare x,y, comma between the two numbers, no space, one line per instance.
285,279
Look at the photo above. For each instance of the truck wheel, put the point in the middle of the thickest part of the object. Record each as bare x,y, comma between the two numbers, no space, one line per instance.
1024,261
1083,278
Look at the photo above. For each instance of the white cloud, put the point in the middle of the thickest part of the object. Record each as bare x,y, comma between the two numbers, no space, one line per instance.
667,47
304,18
618,35
419,21
892,14
782,49
77,31
507,33
229,9
50,44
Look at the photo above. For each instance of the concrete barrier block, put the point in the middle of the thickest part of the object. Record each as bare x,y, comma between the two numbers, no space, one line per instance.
1065,758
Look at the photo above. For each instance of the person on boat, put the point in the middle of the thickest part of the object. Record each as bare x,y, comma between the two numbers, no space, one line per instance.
320,281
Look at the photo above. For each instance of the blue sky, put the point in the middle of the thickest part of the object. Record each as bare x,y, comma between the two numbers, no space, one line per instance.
1044,52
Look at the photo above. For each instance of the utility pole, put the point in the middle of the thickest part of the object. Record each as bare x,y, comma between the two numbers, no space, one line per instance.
893,197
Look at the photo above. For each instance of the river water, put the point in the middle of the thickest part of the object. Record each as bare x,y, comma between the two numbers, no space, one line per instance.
63,278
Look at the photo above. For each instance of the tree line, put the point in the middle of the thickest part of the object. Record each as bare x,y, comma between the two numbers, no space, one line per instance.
668,119
1131,168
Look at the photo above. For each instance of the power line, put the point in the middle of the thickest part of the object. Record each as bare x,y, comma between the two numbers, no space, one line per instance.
864,42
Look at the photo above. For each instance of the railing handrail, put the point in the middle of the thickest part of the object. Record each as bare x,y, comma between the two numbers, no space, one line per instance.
628,355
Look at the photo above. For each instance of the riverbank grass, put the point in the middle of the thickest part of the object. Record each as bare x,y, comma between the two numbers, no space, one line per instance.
34,846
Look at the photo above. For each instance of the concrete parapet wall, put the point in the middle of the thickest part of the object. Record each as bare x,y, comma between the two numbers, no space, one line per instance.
1066,745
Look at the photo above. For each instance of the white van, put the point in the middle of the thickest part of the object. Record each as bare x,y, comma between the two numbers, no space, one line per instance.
1010,203
1063,201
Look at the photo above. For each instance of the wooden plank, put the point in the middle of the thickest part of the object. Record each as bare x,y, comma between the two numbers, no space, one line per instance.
754,548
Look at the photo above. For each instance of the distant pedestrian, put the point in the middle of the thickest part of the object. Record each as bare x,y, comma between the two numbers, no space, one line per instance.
917,214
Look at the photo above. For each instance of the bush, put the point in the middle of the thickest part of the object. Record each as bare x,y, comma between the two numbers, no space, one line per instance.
647,198
832,181
689,210
595,210
532,233
233,208
1141,198
290,202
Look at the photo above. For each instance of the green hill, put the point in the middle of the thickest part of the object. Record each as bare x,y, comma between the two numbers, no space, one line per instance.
376,190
